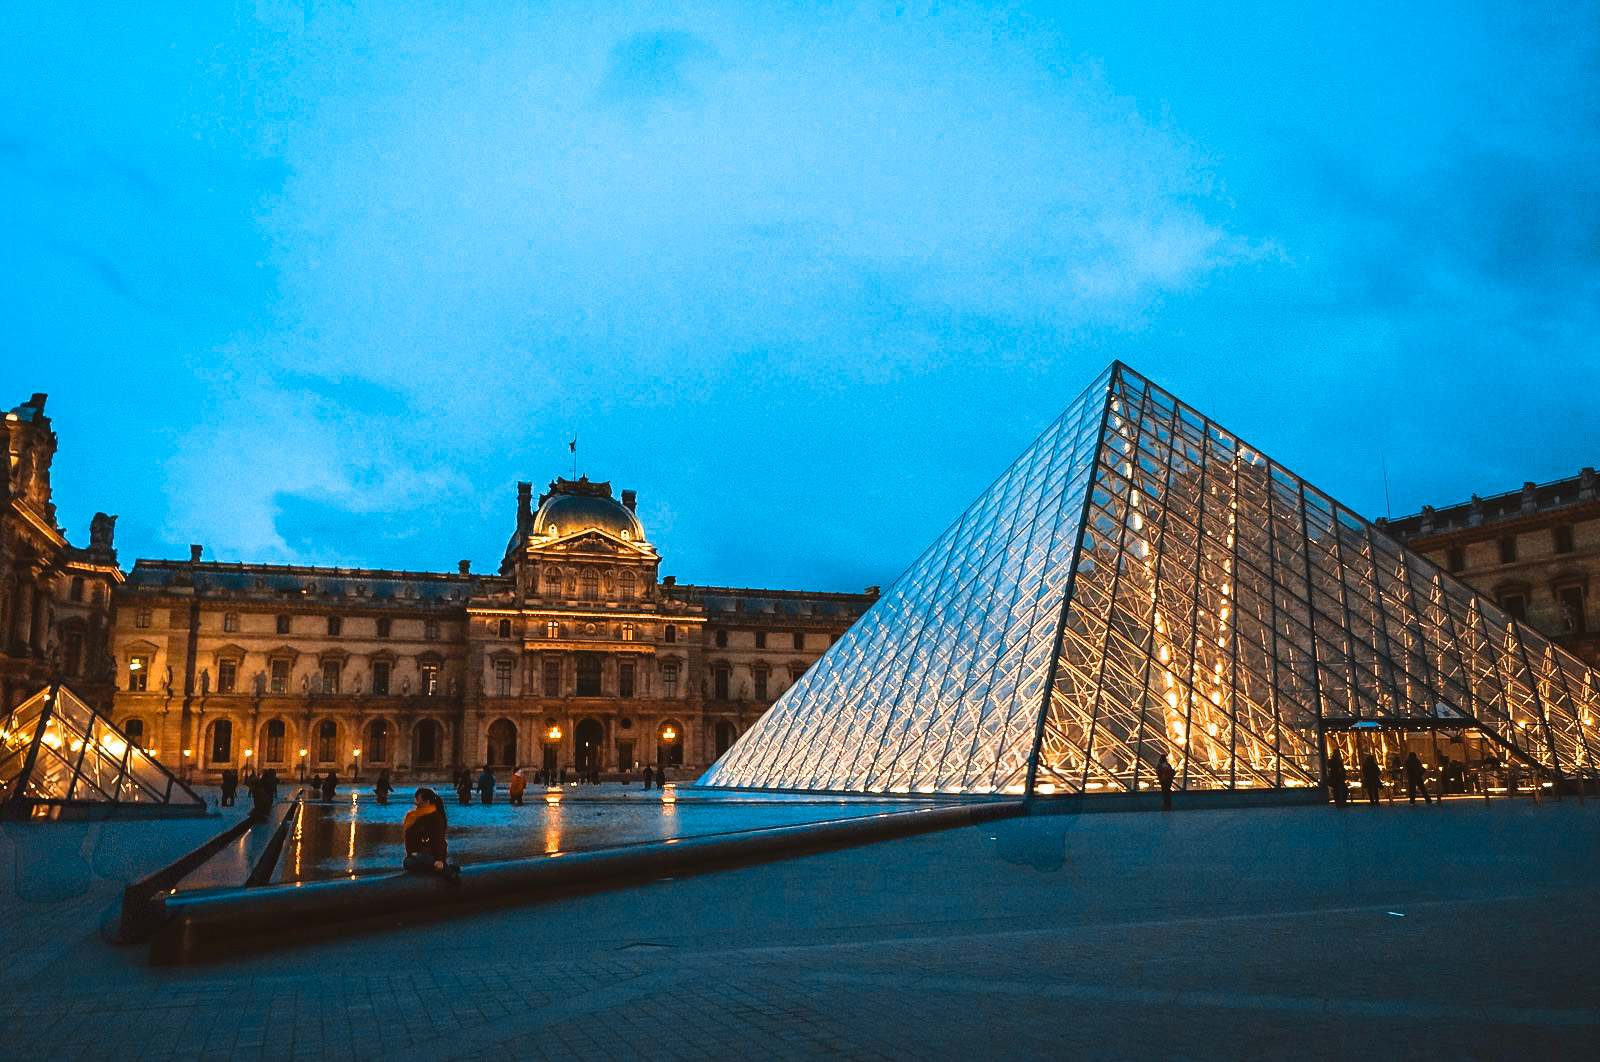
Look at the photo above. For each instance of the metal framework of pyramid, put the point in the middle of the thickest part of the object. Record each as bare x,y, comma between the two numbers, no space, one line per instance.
1140,581
58,754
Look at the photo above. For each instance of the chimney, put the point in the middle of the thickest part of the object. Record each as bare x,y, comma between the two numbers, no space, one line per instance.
194,553
629,499
669,580
464,567
1586,483
1529,501
524,503
37,401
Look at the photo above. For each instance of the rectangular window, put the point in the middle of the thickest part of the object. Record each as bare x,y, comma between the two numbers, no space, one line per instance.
142,618
331,672
430,630
1516,605
761,639
1563,536
138,673
799,639
280,676
721,639
77,588
383,626
719,681
588,674
552,629
795,673
625,673
672,632
627,632
1508,549
761,683
1572,608
230,622
227,676
502,678
380,677
430,679
1455,558
669,680
505,628
283,624
335,625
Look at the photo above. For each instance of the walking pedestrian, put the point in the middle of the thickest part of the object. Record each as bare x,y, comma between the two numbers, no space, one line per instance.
1414,780
1165,775
486,785
262,795
649,777
330,785
384,786
519,783
426,843
464,786
1371,778
230,786
1338,779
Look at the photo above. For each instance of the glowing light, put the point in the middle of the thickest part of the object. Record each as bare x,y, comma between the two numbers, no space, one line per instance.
669,735
248,753
552,794
1172,699
553,734
1211,728
669,793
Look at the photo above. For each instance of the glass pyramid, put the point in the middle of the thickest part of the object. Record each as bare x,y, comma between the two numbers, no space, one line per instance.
56,752
1140,581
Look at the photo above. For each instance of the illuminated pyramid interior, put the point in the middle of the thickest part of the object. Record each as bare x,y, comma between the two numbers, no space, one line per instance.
58,753
1140,581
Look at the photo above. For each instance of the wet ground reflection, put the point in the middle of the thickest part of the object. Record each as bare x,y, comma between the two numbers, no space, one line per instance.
356,835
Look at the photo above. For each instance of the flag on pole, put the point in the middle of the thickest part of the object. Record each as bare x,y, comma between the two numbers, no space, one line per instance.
573,445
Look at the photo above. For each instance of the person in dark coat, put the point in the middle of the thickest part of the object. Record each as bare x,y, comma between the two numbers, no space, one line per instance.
1338,779
230,786
464,786
486,785
1165,775
1414,781
649,778
384,786
425,833
1371,777
330,785
262,794
269,778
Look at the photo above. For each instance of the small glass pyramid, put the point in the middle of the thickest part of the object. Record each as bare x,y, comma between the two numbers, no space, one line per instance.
1141,582
59,754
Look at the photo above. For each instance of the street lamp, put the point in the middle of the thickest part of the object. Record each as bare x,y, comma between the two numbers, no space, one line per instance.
188,768
303,754
357,754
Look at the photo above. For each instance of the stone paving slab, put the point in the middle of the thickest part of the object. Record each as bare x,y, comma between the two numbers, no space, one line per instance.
1248,934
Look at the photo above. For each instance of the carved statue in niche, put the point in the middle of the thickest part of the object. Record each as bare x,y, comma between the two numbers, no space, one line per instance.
167,685
205,681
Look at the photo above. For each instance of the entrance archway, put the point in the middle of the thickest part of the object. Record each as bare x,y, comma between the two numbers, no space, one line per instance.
725,735
502,743
588,738
669,744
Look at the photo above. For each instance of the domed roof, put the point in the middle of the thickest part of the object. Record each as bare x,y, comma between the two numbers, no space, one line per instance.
564,512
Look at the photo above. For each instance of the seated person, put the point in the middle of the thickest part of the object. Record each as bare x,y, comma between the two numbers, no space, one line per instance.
427,850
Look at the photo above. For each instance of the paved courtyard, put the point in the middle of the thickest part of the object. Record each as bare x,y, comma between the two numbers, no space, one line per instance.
1397,932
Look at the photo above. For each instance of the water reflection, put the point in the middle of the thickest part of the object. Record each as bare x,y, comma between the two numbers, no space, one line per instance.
360,836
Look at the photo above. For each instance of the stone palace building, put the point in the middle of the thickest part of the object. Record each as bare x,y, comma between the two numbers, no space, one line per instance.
575,652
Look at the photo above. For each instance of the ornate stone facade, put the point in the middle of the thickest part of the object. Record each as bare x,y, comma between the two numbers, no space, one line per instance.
576,653
1535,550
55,599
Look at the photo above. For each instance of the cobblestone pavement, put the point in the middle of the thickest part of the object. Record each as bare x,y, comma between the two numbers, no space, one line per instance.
1465,931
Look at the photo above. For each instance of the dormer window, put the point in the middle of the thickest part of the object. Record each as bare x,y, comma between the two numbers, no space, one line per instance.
553,531
626,535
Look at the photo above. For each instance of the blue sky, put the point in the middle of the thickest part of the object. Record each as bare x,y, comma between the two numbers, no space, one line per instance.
320,283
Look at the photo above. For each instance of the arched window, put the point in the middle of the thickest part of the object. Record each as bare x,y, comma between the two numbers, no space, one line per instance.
627,585
134,728
591,585
327,741
377,743
428,743
277,738
222,741
627,632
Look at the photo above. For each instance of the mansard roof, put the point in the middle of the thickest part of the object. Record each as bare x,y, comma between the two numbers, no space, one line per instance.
307,581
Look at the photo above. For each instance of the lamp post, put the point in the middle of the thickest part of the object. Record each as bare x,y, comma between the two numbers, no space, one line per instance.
552,747
188,766
248,753
356,777
303,754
